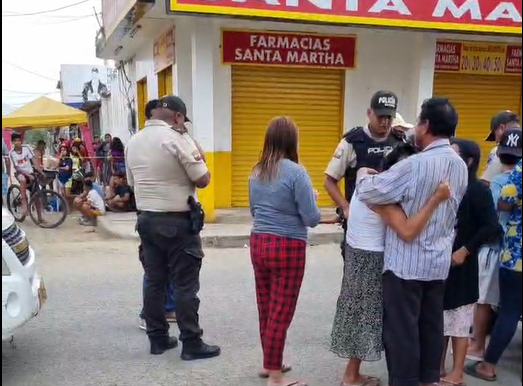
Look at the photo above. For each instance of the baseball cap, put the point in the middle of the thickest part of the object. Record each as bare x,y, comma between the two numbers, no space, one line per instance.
384,103
501,118
511,143
175,104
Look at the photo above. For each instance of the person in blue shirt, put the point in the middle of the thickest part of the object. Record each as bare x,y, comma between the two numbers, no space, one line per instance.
510,272
509,155
65,171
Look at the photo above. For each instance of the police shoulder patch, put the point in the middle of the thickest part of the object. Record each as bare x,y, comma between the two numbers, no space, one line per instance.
338,153
197,156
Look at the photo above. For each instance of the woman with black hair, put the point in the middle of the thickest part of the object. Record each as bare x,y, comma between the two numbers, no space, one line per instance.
117,161
476,225
117,156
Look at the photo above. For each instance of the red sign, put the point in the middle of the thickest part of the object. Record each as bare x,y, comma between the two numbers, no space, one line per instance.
513,60
448,56
478,58
288,49
490,16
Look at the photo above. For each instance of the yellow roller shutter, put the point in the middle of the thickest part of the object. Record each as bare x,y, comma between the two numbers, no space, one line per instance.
477,98
312,97
141,88
165,82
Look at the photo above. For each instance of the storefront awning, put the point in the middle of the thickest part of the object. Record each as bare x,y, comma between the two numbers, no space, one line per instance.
43,113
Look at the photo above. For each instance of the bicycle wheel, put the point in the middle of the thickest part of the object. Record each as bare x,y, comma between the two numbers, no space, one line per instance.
50,204
14,203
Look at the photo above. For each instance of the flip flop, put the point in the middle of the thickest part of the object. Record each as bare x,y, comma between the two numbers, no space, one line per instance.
474,358
284,369
472,370
369,381
295,383
445,382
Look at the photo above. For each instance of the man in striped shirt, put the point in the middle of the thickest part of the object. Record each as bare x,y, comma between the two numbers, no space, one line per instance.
414,273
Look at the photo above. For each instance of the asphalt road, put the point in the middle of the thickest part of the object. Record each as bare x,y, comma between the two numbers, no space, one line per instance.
87,333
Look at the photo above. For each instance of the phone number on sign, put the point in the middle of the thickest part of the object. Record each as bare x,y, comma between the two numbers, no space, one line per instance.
475,63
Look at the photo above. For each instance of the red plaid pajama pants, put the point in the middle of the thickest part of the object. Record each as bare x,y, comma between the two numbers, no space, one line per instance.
279,266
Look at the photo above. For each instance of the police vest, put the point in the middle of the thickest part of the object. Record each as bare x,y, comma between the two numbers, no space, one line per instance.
369,154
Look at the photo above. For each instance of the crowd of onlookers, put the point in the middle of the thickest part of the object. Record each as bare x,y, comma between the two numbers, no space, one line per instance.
92,182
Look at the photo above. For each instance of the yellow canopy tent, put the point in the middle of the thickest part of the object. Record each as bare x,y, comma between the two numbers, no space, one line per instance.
43,113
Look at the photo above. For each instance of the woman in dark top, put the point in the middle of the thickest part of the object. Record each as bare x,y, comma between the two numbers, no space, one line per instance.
117,156
477,224
65,171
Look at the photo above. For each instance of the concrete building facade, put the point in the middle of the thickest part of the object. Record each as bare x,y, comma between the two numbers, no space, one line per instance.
238,63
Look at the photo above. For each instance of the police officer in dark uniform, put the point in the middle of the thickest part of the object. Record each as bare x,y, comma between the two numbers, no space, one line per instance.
362,147
165,166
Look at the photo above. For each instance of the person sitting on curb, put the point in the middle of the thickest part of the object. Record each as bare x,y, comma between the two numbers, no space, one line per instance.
80,200
121,200
94,205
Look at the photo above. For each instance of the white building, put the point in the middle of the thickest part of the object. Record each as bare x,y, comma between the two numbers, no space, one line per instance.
238,63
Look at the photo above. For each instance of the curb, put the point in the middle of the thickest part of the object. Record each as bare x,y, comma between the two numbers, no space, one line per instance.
229,241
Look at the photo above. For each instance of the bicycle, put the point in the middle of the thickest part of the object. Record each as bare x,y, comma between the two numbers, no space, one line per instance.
50,202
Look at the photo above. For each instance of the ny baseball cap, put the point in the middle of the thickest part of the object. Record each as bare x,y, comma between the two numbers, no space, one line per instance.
175,104
384,103
511,143
501,118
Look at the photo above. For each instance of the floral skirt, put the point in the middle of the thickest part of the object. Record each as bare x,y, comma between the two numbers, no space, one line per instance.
457,322
357,329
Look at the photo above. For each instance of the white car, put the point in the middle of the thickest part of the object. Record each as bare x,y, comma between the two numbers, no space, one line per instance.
23,291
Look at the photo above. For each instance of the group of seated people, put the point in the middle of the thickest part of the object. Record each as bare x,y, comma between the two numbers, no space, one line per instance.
94,201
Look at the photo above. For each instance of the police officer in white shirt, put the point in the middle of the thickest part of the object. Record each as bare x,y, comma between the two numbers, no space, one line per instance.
165,166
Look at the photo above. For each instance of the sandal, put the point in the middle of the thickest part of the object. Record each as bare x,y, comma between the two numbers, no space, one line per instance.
472,370
284,369
293,383
446,382
367,381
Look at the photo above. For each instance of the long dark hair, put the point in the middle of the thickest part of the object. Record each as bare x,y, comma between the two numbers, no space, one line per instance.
281,142
470,152
117,144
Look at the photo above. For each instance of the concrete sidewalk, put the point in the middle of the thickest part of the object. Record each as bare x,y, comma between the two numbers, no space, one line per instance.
232,232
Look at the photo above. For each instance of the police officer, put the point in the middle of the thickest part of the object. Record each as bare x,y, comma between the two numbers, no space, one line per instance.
362,147
165,166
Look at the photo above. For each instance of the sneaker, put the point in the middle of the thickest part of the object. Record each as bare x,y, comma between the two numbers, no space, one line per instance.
142,325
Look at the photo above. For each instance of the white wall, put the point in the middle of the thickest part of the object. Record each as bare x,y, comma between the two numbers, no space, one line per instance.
114,112
145,68
396,60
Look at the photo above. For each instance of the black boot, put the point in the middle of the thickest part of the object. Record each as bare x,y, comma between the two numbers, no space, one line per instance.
199,350
161,345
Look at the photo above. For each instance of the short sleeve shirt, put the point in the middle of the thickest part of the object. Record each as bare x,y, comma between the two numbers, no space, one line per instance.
22,161
494,166
162,167
511,193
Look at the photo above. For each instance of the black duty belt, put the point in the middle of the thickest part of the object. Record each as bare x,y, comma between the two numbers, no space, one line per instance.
185,215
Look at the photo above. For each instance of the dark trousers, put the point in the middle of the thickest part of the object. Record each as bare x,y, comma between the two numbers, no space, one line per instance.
171,253
510,309
412,329
279,266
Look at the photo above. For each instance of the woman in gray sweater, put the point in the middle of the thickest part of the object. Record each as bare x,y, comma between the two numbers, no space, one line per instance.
283,204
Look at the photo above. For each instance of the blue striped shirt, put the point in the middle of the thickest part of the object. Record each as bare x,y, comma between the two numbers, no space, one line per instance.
411,183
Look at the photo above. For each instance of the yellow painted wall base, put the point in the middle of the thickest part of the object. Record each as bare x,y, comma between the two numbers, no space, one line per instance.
207,196
223,178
